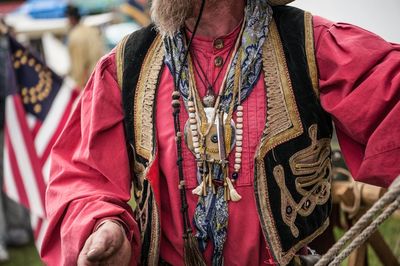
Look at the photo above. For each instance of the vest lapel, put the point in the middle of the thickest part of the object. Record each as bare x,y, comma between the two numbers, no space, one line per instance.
283,120
283,205
144,100
145,145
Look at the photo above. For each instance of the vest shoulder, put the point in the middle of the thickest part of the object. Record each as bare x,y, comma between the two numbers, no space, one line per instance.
131,51
137,41
141,37
287,13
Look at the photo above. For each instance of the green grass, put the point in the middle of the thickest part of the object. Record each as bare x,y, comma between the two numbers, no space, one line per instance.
23,256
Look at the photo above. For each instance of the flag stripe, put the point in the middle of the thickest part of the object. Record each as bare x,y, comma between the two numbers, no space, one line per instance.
36,128
34,221
9,185
31,120
31,129
41,231
9,181
53,118
46,170
28,140
15,173
36,229
19,143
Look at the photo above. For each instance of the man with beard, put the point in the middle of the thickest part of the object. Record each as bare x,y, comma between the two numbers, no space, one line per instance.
221,120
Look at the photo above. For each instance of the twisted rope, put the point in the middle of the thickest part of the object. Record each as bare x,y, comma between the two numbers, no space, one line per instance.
358,241
392,196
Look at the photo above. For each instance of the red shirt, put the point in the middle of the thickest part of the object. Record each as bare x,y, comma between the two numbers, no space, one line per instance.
243,218
360,87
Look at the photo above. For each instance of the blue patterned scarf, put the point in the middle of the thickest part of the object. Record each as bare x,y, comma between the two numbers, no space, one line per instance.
211,214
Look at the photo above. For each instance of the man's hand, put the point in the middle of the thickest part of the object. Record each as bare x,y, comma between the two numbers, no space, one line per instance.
107,246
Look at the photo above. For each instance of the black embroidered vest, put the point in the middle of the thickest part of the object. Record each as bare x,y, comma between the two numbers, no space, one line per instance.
292,163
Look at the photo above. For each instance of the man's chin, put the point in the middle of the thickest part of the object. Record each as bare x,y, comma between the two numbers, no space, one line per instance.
167,29
170,15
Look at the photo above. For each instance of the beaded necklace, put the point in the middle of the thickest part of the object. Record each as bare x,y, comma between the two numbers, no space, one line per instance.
210,133
191,252
211,214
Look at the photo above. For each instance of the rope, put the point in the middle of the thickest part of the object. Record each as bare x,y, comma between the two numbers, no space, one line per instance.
358,241
391,196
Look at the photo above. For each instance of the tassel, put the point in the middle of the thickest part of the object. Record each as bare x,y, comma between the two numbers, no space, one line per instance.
226,190
234,195
198,190
191,253
209,177
204,187
210,180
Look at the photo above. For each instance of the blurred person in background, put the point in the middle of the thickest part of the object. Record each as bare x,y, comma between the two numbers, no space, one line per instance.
141,4
85,46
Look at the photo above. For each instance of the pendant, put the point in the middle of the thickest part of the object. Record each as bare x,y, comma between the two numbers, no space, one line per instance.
209,98
212,151
210,146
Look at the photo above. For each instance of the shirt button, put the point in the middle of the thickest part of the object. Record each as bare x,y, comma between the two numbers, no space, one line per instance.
219,44
218,61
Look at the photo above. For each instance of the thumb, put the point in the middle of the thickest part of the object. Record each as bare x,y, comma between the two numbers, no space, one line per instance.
106,241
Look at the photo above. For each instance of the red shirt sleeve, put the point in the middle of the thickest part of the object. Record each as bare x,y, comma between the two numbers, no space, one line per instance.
359,76
90,177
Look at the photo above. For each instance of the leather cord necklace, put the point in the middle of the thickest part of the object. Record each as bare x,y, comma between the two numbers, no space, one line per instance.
210,96
191,253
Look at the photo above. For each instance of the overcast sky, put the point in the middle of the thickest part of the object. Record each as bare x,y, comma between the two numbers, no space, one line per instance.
379,16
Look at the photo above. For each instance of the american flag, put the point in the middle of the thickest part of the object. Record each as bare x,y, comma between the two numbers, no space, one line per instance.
37,105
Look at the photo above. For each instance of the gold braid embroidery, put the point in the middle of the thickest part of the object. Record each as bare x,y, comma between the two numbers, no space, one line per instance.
313,168
288,205
145,99
144,135
143,120
311,164
283,124
283,119
310,51
269,228
155,242
119,58
142,212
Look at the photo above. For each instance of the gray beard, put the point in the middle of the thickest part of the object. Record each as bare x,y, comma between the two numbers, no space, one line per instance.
170,15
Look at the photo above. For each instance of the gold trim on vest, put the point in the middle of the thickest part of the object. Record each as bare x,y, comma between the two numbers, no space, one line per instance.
144,102
145,99
155,241
269,227
119,58
283,119
312,168
310,51
283,123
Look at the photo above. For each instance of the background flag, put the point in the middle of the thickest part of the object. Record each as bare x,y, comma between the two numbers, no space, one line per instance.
37,105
